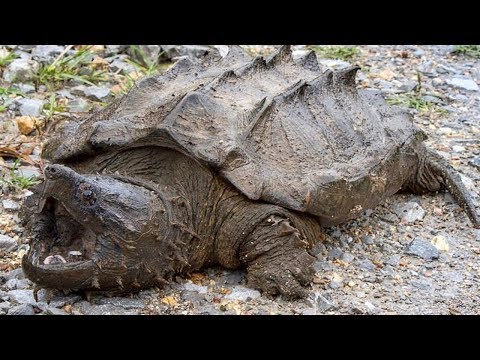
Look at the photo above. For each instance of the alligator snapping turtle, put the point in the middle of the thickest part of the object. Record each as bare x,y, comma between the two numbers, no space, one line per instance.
228,161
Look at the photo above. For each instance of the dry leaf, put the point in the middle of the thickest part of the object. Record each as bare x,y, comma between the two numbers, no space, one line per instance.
197,278
224,291
386,74
169,300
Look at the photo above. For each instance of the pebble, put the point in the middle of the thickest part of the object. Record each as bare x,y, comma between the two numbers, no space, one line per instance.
95,93
321,303
366,239
242,293
13,284
21,70
393,260
54,311
78,105
423,249
347,257
475,162
22,296
30,107
466,84
335,253
409,212
26,124
46,53
25,88
366,264
123,302
195,288
440,242
23,309
7,243
175,51
10,205
84,307
124,67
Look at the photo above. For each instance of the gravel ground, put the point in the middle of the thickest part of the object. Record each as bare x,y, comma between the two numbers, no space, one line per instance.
411,255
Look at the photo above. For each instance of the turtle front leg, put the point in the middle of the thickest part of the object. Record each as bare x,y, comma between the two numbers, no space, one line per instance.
275,254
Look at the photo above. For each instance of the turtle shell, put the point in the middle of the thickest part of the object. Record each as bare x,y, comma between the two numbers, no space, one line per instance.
280,130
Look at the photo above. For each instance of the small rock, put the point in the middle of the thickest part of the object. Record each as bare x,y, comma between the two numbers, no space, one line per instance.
55,311
84,307
366,265
29,171
146,54
4,307
22,296
467,182
46,53
26,47
30,107
321,303
475,162
114,49
409,212
393,260
423,249
242,293
409,86
15,274
334,64
24,309
26,124
20,70
13,284
440,243
195,288
347,257
78,105
123,302
10,205
466,84
7,243
192,51
370,307
335,253
122,66
64,93
95,93
25,88
366,239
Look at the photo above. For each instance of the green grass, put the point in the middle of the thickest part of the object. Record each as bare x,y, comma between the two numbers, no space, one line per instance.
52,108
142,62
7,59
72,67
468,50
338,52
415,101
5,97
19,181
412,101
9,91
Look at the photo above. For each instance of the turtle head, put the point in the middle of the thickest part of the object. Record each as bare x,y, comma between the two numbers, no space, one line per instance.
93,232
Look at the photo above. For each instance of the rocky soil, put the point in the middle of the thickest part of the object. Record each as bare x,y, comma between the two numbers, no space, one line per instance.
411,255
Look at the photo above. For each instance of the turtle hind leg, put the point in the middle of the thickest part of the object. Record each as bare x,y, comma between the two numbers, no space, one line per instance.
435,174
277,259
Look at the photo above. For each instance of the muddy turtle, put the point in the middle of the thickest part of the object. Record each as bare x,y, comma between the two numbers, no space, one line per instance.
229,160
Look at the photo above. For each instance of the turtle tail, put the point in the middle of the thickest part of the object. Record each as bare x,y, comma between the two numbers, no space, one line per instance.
435,174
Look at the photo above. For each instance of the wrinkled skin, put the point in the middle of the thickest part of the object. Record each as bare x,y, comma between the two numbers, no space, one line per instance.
232,162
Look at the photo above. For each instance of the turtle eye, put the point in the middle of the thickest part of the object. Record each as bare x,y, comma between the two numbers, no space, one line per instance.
87,196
